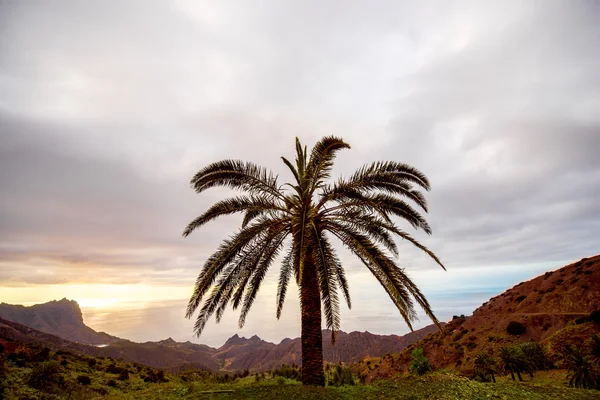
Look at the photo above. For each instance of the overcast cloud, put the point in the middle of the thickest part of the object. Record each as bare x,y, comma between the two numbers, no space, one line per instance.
108,108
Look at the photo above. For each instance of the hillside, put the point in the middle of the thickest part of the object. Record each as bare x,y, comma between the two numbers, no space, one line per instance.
62,320
552,308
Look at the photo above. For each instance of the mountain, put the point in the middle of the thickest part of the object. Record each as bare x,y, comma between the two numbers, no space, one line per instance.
553,308
62,320
256,354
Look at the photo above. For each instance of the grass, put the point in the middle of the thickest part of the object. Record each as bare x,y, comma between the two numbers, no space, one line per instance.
438,385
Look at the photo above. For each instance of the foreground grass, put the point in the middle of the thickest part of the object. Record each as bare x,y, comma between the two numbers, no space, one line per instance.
434,386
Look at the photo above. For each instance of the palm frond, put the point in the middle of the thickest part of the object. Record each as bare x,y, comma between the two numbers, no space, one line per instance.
287,266
401,170
256,204
388,183
292,169
327,283
272,251
383,204
225,254
236,174
321,159
380,266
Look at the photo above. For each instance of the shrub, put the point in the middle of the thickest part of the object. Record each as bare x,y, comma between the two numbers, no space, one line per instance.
84,380
124,375
515,328
521,298
91,362
113,369
280,380
44,375
420,364
111,383
42,355
595,316
340,376
582,320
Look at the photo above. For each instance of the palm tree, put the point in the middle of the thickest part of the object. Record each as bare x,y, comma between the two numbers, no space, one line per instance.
581,369
594,348
514,360
486,365
303,217
537,355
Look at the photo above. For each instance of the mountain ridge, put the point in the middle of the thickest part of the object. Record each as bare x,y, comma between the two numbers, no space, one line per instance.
63,318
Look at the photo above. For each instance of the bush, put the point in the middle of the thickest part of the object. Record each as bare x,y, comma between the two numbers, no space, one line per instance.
111,383
288,372
84,380
44,375
595,316
515,328
91,362
340,376
124,375
582,320
420,364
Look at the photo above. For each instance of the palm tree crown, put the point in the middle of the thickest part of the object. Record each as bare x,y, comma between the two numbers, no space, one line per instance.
300,219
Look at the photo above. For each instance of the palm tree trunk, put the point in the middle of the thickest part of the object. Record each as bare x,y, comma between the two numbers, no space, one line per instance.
519,375
493,378
512,374
312,337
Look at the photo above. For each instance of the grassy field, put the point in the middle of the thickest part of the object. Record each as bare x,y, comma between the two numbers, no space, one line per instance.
434,386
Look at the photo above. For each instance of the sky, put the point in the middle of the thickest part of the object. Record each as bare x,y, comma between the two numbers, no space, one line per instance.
108,108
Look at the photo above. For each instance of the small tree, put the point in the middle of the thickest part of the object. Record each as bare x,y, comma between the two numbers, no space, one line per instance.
420,364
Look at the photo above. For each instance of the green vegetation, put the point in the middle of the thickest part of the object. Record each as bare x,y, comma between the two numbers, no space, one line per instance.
486,367
40,375
303,216
437,385
514,361
419,364
584,369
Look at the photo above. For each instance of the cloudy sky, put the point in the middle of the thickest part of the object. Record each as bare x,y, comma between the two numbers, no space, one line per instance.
108,108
